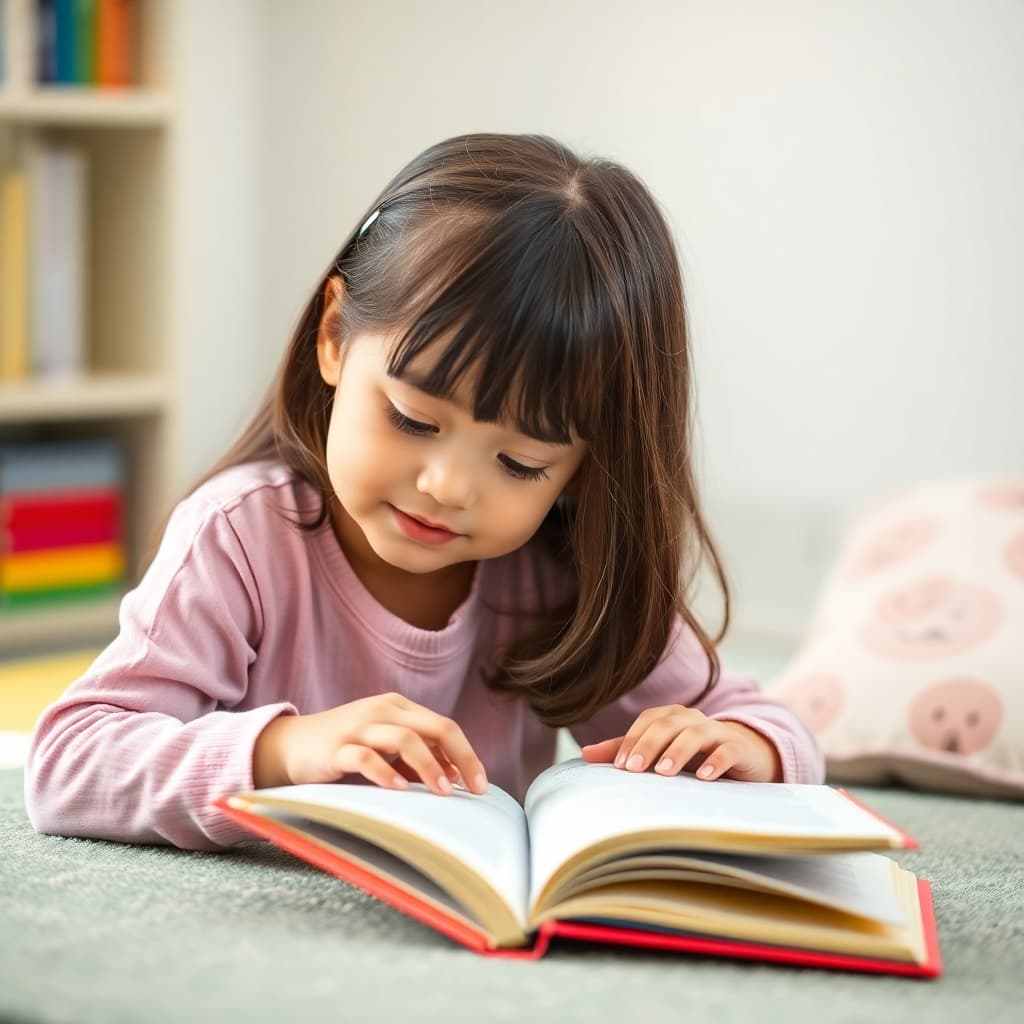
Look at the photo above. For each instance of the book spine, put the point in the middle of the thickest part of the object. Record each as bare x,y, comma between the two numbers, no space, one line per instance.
60,509
64,38
14,259
115,35
46,41
69,534
57,247
84,565
85,42
18,600
39,469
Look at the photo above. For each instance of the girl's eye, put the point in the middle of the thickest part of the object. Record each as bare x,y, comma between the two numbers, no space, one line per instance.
521,472
408,426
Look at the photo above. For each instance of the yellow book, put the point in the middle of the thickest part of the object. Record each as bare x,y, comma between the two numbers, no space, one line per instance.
14,323
61,567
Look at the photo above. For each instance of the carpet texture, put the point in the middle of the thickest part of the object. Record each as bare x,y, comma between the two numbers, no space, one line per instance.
100,932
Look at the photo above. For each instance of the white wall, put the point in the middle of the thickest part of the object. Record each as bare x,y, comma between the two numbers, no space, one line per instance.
221,263
843,179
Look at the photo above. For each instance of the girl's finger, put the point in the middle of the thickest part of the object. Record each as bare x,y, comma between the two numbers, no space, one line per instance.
445,735
721,759
686,749
356,759
650,747
412,749
670,720
603,752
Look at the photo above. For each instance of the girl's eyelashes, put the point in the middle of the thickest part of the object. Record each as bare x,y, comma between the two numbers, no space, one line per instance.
407,425
521,472
417,429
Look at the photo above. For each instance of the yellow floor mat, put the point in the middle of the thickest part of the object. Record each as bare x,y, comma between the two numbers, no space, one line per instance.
27,685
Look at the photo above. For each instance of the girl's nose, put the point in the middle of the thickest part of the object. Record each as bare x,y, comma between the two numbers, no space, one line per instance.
448,480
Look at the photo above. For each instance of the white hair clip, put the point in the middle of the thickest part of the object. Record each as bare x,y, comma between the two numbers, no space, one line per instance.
367,224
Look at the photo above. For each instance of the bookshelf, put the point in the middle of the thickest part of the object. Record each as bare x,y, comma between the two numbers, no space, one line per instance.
126,390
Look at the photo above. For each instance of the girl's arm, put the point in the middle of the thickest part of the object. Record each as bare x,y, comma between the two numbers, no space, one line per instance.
139,747
679,679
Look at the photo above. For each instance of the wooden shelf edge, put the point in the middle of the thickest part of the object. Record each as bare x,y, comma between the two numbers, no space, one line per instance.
92,396
77,105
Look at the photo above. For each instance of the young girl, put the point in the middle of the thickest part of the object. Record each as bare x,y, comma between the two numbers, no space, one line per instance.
464,515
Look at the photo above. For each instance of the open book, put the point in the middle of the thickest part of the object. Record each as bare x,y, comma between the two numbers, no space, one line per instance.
767,871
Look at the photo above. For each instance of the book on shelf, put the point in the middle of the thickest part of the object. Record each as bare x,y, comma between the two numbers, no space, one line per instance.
14,286
61,526
57,275
43,262
68,43
772,872
85,42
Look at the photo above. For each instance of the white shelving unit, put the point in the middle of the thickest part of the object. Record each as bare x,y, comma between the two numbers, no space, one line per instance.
128,390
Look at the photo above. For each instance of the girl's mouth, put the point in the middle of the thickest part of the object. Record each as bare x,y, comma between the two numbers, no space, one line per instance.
424,533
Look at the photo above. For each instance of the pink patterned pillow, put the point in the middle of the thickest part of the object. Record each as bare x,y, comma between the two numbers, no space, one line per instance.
913,669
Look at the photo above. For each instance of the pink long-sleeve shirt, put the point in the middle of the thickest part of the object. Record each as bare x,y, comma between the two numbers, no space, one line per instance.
243,617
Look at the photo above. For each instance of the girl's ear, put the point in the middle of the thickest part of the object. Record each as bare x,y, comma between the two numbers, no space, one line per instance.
328,345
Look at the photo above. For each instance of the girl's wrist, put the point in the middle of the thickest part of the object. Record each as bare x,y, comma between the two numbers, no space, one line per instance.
268,761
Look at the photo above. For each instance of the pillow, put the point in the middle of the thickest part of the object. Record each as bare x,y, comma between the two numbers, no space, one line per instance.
913,668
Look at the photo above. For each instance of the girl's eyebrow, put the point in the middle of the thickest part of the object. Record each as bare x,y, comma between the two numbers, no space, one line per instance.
414,380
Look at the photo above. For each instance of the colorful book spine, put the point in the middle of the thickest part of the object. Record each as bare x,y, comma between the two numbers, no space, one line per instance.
86,42
61,522
115,43
46,41
64,41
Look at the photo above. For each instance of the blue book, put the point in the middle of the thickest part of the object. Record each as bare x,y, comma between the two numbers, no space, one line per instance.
64,29
45,466
46,41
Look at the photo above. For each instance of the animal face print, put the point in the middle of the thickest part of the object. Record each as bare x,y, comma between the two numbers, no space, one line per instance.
958,716
891,546
1009,495
932,617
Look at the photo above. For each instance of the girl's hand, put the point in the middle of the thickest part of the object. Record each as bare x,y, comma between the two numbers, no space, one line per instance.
387,738
674,738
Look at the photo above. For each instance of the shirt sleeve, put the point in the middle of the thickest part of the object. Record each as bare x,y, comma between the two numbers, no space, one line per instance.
138,748
680,677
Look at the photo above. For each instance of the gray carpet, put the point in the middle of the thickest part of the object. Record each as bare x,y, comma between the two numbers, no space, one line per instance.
99,932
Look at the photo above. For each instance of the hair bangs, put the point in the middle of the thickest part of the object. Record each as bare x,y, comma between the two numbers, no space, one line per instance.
522,316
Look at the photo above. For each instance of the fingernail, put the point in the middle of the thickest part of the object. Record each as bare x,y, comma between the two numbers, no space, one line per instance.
480,782
665,764
706,771
620,759
443,784
400,782
635,762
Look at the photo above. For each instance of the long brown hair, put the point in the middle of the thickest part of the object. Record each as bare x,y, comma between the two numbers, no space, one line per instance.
557,278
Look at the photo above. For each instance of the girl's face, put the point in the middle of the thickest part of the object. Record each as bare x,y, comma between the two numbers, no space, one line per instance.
425,484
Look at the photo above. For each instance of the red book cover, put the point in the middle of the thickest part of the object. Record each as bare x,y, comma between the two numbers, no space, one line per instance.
66,535
437,918
25,514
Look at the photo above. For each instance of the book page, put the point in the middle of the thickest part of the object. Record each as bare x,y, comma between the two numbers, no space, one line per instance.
575,804
374,859
857,883
487,833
